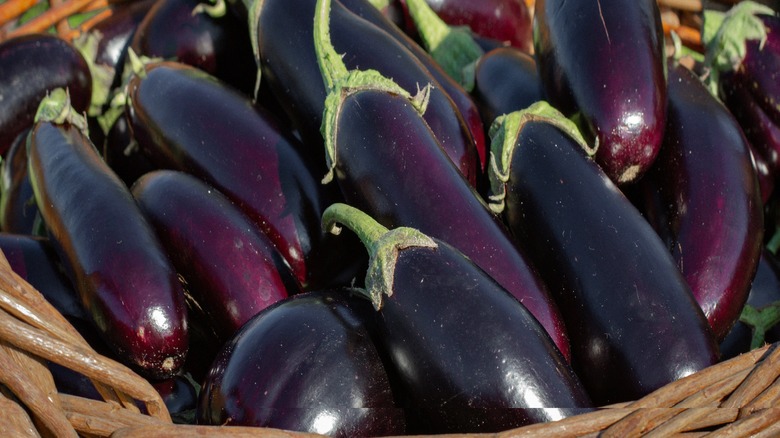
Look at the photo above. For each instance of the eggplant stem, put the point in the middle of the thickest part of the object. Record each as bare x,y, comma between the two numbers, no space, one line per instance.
760,321
368,230
331,65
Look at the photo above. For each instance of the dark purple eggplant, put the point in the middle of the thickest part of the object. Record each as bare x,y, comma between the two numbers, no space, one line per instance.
307,364
377,125
704,200
123,154
109,251
469,357
289,65
605,62
632,319
179,395
217,43
195,223
18,210
241,151
34,65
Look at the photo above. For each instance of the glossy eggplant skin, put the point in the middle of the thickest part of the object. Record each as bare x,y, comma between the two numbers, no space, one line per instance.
307,358
240,150
505,80
18,209
195,222
219,46
633,323
706,200
420,188
109,251
32,66
290,66
460,97
470,357
581,50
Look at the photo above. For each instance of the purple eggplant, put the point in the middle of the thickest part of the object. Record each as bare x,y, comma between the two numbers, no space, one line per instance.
18,210
704,200
289,64
308,364
605,62
195,223
34,65
215,42
242,152
632,319
469,357
123,154
375,124
107,247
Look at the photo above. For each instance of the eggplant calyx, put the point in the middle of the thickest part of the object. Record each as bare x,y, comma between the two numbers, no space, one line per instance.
88,44
341,82
452,47
214,8
380,4
504,134
725,36
760,321
56,108
383,246
254,9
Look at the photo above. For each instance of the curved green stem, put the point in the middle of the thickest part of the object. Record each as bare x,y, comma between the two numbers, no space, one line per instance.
364,226
331,65
760,321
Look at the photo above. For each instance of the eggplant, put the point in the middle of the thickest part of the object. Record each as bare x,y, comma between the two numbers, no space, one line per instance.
108,249
632,319
195,223
308,364
704,200
34,65
375,124
241,151
582,52
469,357
213,41
289,65
122,153
179,395
18,210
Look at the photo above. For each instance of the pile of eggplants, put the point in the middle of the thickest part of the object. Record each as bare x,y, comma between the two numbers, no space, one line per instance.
303,215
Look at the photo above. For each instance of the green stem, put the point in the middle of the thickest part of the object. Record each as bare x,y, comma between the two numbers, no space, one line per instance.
364,226
56,108
331,65
380,4
774,242
760,321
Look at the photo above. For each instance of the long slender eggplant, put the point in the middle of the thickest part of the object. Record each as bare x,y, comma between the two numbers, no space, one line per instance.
215,42
195,222
18,210
241,151
32,66
108,249
468,355
289,65
377,125
460,97
704,200
308,364
583,50
633,322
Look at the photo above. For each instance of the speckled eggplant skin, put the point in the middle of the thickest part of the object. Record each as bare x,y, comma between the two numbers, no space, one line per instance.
704,200
241,151
32,66
109,251
308,364
605,60
290,66
419,187
632,320
231,268
470,357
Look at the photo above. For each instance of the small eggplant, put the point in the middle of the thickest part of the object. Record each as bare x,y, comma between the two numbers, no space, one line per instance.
704,200
241,151
307,364
194,222
468,355
633,322
604,61
372,123
18,210
108,249
289,64
34,65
